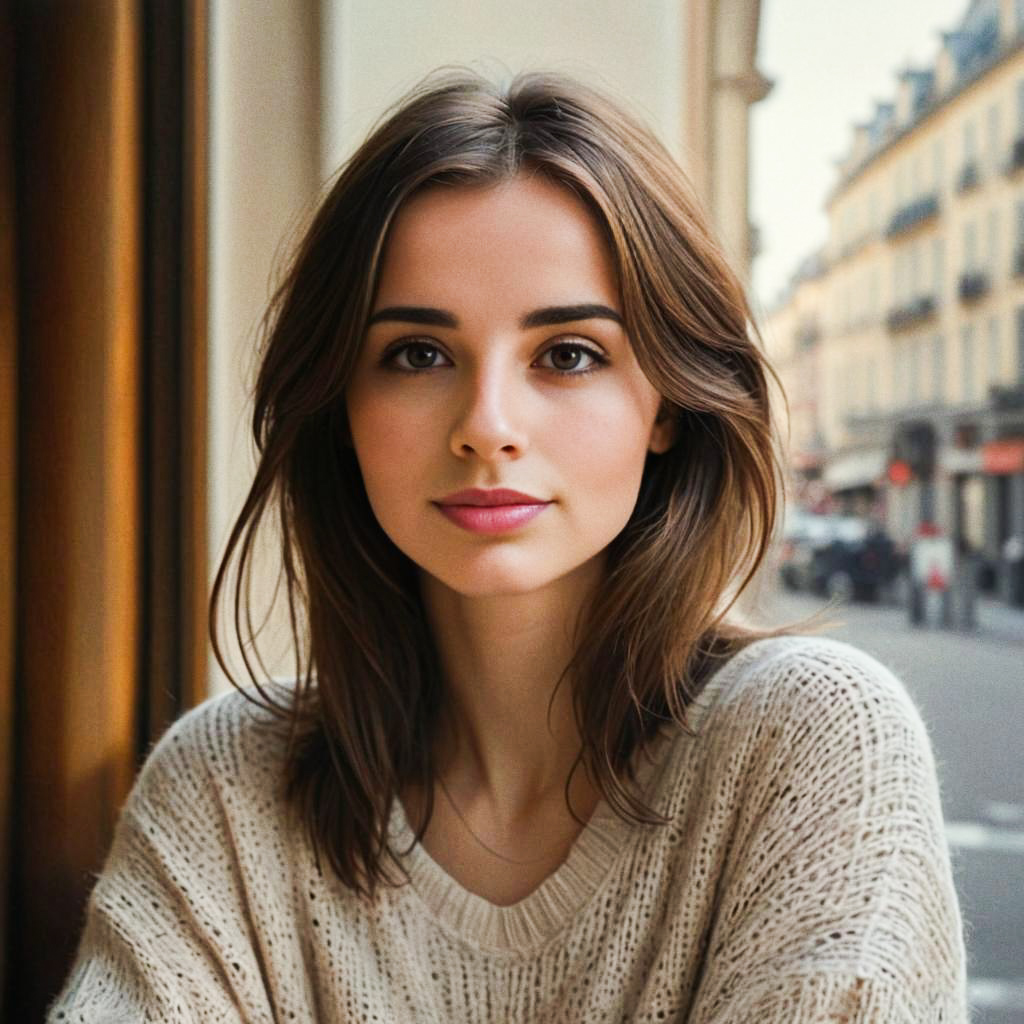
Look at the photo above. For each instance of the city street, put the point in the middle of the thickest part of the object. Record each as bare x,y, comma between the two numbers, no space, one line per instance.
970,691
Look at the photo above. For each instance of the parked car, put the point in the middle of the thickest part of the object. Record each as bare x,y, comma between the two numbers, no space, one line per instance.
843,557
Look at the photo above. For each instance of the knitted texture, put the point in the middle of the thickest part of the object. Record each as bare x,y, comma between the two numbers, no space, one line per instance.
804,876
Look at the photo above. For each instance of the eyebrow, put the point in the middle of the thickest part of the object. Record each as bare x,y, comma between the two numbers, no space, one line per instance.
548,316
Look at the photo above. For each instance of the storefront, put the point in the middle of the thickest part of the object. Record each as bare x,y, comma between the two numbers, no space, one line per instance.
854,479
1003,464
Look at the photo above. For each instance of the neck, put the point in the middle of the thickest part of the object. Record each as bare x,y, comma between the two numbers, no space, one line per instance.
509,737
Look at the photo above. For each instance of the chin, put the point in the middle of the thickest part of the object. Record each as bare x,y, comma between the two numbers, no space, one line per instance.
492,583
495,574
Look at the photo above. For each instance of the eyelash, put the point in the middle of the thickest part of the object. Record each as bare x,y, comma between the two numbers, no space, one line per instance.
599,360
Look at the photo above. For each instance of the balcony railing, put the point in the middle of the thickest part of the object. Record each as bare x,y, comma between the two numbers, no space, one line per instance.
1016,161
1002,397
973,285
807,336
901,318
910,216
968,177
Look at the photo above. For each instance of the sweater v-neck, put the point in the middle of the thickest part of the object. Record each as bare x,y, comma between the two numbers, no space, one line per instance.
606,839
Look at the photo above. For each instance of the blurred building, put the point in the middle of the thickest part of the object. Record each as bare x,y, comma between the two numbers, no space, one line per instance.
901,345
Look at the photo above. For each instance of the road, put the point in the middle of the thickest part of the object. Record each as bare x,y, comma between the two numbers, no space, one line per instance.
970,692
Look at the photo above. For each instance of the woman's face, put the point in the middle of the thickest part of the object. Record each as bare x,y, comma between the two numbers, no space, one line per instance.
495,359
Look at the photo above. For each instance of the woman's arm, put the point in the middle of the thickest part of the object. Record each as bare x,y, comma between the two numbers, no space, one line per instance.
837,901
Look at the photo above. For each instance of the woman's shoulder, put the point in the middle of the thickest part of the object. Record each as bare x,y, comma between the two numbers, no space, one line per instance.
797,730
232,736
793,681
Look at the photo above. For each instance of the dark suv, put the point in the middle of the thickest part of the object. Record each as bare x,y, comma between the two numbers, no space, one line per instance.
842,557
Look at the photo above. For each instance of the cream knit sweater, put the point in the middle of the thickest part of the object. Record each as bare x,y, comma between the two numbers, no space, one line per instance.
804,877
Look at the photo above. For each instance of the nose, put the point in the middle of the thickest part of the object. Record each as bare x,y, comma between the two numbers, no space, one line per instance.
490,416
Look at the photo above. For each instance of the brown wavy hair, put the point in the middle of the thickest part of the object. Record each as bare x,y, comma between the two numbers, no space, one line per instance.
369,689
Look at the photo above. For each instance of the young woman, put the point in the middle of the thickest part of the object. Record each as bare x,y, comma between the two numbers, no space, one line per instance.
515,437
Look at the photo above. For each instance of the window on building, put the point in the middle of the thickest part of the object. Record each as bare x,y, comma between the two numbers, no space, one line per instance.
995,352
1020,108
992,122
924,359
938,174
899,278
970,149
915,270
901,186
914,389
970,246
1020,346
968,364
924,365
993,241
938,254
939,368
1019,6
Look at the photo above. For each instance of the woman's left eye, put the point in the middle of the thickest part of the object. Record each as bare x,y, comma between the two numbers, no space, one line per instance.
572,358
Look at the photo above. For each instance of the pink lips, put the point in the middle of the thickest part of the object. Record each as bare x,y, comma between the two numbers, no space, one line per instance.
490,511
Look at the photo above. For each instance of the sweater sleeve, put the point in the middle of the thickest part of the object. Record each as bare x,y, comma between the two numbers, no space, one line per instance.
167,936
837,900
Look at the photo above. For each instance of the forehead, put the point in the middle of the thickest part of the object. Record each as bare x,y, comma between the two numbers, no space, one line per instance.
527,240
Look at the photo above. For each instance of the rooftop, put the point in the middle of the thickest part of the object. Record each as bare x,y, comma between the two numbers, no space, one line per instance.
973,47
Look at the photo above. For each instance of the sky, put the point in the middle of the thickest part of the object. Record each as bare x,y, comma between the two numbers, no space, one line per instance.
830,60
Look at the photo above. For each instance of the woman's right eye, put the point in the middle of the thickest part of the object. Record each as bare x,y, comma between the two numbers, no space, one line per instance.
414,355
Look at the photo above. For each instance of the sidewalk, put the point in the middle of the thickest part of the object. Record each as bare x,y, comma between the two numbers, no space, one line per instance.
1000,622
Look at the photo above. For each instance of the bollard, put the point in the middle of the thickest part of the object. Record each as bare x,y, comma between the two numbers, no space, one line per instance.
946,608
915,603
931,573
965,592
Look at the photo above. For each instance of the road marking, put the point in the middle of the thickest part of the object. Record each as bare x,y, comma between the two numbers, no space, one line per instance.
973,835
1004,813
996,993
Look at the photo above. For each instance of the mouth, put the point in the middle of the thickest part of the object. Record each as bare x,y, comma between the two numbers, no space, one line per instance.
479,498
491,512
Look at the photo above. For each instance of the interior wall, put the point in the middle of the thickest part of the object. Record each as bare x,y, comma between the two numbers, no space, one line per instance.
375,51
264,174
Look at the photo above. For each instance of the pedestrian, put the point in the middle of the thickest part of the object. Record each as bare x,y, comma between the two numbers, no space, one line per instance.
516,442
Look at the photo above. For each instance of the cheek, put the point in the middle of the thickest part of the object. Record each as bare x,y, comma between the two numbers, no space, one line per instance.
386,444
395,444
605,446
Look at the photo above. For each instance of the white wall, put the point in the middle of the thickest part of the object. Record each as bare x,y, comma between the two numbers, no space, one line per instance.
264,173
374,51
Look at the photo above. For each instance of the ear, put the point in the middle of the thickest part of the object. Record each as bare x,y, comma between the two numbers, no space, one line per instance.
663,433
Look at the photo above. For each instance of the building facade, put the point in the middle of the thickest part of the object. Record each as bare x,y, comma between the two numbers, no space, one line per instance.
911,321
